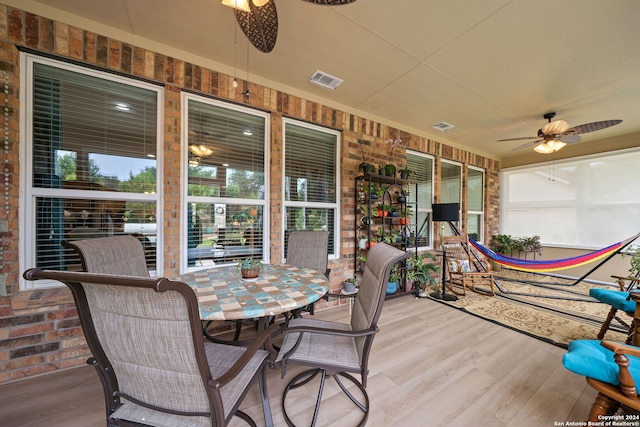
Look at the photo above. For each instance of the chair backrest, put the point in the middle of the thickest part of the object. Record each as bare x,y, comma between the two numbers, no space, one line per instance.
458,254
146,339
309,249
123,255
370,297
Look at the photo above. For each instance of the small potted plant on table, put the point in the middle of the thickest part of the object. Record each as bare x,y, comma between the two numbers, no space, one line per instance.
249,268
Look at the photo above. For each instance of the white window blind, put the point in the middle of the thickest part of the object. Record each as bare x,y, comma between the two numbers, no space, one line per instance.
475,203
311,180
586,202
92,141
226,198
422,165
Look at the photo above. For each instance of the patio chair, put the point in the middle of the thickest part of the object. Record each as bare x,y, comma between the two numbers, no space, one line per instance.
337,349
123,254
308,249
613,369
618,300
463,270
171,378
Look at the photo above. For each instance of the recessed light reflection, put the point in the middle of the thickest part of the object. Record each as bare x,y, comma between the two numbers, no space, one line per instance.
226,165
247,132
122,106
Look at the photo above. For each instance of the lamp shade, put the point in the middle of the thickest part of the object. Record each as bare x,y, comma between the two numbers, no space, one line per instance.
446,211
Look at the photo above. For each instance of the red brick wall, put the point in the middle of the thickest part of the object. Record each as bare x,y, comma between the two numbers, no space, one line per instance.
39,329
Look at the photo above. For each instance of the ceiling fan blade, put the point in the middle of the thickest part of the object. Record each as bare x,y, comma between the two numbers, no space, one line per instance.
590,127
569,138
260,25
331,2
555,127
528,144
522,138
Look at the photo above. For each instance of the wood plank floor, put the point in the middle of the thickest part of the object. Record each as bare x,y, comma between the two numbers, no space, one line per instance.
431,365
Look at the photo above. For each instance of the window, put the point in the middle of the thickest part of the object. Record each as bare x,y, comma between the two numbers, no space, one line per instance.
422,165
475,204
91,144
311,180
450,188
224,156
586,202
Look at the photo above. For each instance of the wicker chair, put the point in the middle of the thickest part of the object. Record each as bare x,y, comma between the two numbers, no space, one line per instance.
172,378
335,349
613,369
462,270
308,249
122,254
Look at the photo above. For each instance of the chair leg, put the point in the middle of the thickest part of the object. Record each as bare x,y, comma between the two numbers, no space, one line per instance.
603,405
607,323
307,376
264,397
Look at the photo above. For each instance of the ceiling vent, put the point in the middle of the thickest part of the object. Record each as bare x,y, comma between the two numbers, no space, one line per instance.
443,126
325,80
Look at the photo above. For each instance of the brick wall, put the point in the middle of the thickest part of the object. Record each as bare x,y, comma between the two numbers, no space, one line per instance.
39,329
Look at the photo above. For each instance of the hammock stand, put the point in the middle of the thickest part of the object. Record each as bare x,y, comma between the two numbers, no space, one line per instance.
535,266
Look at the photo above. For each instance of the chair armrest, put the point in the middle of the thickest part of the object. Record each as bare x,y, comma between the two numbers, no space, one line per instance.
620,352
328,331
619,348
620,280
259,344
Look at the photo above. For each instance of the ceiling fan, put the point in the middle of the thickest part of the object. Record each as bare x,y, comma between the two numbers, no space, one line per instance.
558,133
259,19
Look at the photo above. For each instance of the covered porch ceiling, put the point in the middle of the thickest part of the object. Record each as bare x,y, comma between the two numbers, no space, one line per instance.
491,68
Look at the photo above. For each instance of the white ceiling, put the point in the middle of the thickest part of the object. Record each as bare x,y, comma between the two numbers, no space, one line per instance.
492,68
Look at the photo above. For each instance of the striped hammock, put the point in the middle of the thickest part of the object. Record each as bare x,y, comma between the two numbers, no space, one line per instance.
554,264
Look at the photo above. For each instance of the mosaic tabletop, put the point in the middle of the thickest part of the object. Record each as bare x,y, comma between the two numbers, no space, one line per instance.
223,295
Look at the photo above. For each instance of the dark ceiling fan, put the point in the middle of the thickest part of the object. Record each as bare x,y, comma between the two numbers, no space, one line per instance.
558,133
259,19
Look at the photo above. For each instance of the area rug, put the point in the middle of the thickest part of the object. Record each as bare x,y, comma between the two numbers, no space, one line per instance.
550,308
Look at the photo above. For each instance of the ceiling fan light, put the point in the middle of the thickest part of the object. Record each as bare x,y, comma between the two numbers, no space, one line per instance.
200,150
238,4
549,147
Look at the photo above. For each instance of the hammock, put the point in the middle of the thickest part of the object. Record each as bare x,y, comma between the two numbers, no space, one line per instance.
552,265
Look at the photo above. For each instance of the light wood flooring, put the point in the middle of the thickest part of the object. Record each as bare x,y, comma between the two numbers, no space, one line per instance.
431,365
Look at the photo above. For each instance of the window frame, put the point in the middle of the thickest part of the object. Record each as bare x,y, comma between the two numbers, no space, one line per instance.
29,193
429,203
185,198
459,201
478,213
295,204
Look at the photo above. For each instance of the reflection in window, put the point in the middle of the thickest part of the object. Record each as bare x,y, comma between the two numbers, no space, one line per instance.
225,156
310,180
93,169
475,204
422,165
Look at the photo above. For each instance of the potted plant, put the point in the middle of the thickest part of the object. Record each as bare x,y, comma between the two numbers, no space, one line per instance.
389,170
363,261
349,286
394,279
405,215
405,173
249,268
502,244
365,167
421,272
634,252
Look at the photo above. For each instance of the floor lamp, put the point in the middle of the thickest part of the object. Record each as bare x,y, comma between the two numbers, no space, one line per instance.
445,212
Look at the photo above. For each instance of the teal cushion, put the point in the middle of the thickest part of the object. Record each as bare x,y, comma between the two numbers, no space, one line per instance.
588,358
617,299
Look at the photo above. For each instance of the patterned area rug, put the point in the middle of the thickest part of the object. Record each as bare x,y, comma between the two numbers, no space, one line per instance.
546,307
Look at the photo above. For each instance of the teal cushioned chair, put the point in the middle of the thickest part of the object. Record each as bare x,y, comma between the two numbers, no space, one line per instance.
618,300
613,369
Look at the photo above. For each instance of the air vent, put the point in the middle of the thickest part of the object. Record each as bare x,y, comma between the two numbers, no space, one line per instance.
443,126
325,80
